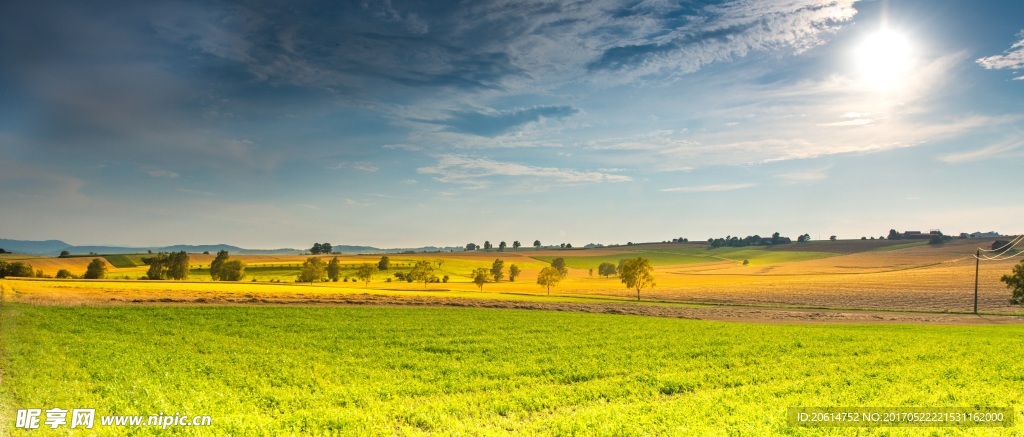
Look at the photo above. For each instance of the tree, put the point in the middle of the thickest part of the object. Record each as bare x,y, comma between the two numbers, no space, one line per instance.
568,245
232,270
776,238
1015,282
63,274
215,266
606,269
480,277
334,269
559,265
497,270
513,272
422,271
832,238
312,270
893,235
158,267
536,244
96,269
471,246
177,265
64,254
365,273
487,245
15,269
549,277
516,245
803,238
321,248
384,263
637,273
502,246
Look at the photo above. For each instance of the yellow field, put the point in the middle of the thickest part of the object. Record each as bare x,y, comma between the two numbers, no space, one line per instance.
927,278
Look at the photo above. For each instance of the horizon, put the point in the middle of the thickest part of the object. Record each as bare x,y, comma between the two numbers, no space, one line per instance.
402,125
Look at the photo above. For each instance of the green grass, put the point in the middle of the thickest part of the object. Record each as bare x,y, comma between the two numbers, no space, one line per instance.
690,254
385,371
122,261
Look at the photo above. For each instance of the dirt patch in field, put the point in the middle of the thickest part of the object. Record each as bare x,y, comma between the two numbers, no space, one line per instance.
732,313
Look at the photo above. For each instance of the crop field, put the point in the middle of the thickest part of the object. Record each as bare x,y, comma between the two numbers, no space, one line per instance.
377,371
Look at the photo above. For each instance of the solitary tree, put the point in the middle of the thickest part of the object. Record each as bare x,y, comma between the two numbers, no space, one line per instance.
471,246
487,245
422,271
96,269
1015,282
832,238
536,244
63,274
497,270
637,273
606,269
480,277
222,256
513,272
232,270
559,265
312,270
549,277
365,273
384,263
63,254
502,246
334,269
516,245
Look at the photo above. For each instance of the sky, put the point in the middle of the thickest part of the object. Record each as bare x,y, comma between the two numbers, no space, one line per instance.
405,124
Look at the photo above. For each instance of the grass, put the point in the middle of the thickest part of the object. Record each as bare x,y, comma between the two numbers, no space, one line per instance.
121,261
384,371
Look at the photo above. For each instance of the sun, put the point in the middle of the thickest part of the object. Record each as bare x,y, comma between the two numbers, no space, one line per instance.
884,59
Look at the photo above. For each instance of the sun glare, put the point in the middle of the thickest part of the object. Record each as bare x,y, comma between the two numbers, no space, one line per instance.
884,59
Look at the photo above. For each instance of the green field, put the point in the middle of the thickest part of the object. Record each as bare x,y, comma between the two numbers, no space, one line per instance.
122,261
691,254
382,371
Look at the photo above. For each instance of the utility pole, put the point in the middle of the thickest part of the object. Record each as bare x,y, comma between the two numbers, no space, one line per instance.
977,265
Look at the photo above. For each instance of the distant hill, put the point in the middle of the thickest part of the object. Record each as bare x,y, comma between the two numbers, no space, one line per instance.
54,248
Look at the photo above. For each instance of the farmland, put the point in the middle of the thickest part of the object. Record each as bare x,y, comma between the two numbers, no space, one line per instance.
376,371
836,324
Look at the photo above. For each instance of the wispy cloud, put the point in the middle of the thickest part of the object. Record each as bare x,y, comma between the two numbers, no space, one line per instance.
476,172
708,188
358,165
804,176
1011,59
993,151
161,173
490,123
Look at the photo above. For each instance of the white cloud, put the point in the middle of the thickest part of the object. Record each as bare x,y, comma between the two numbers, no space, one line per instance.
1011,59
989,152
708,188
474,172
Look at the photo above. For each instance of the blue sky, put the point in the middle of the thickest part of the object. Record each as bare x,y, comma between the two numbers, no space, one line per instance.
401,124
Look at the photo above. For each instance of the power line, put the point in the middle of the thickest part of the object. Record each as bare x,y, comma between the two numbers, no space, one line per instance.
1012,242
1008,248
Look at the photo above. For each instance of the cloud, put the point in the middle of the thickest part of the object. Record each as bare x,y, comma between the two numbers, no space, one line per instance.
160,173
804,176
708,188
993,151
1011,59
196,192
491,123
359,165
476,172
725,32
